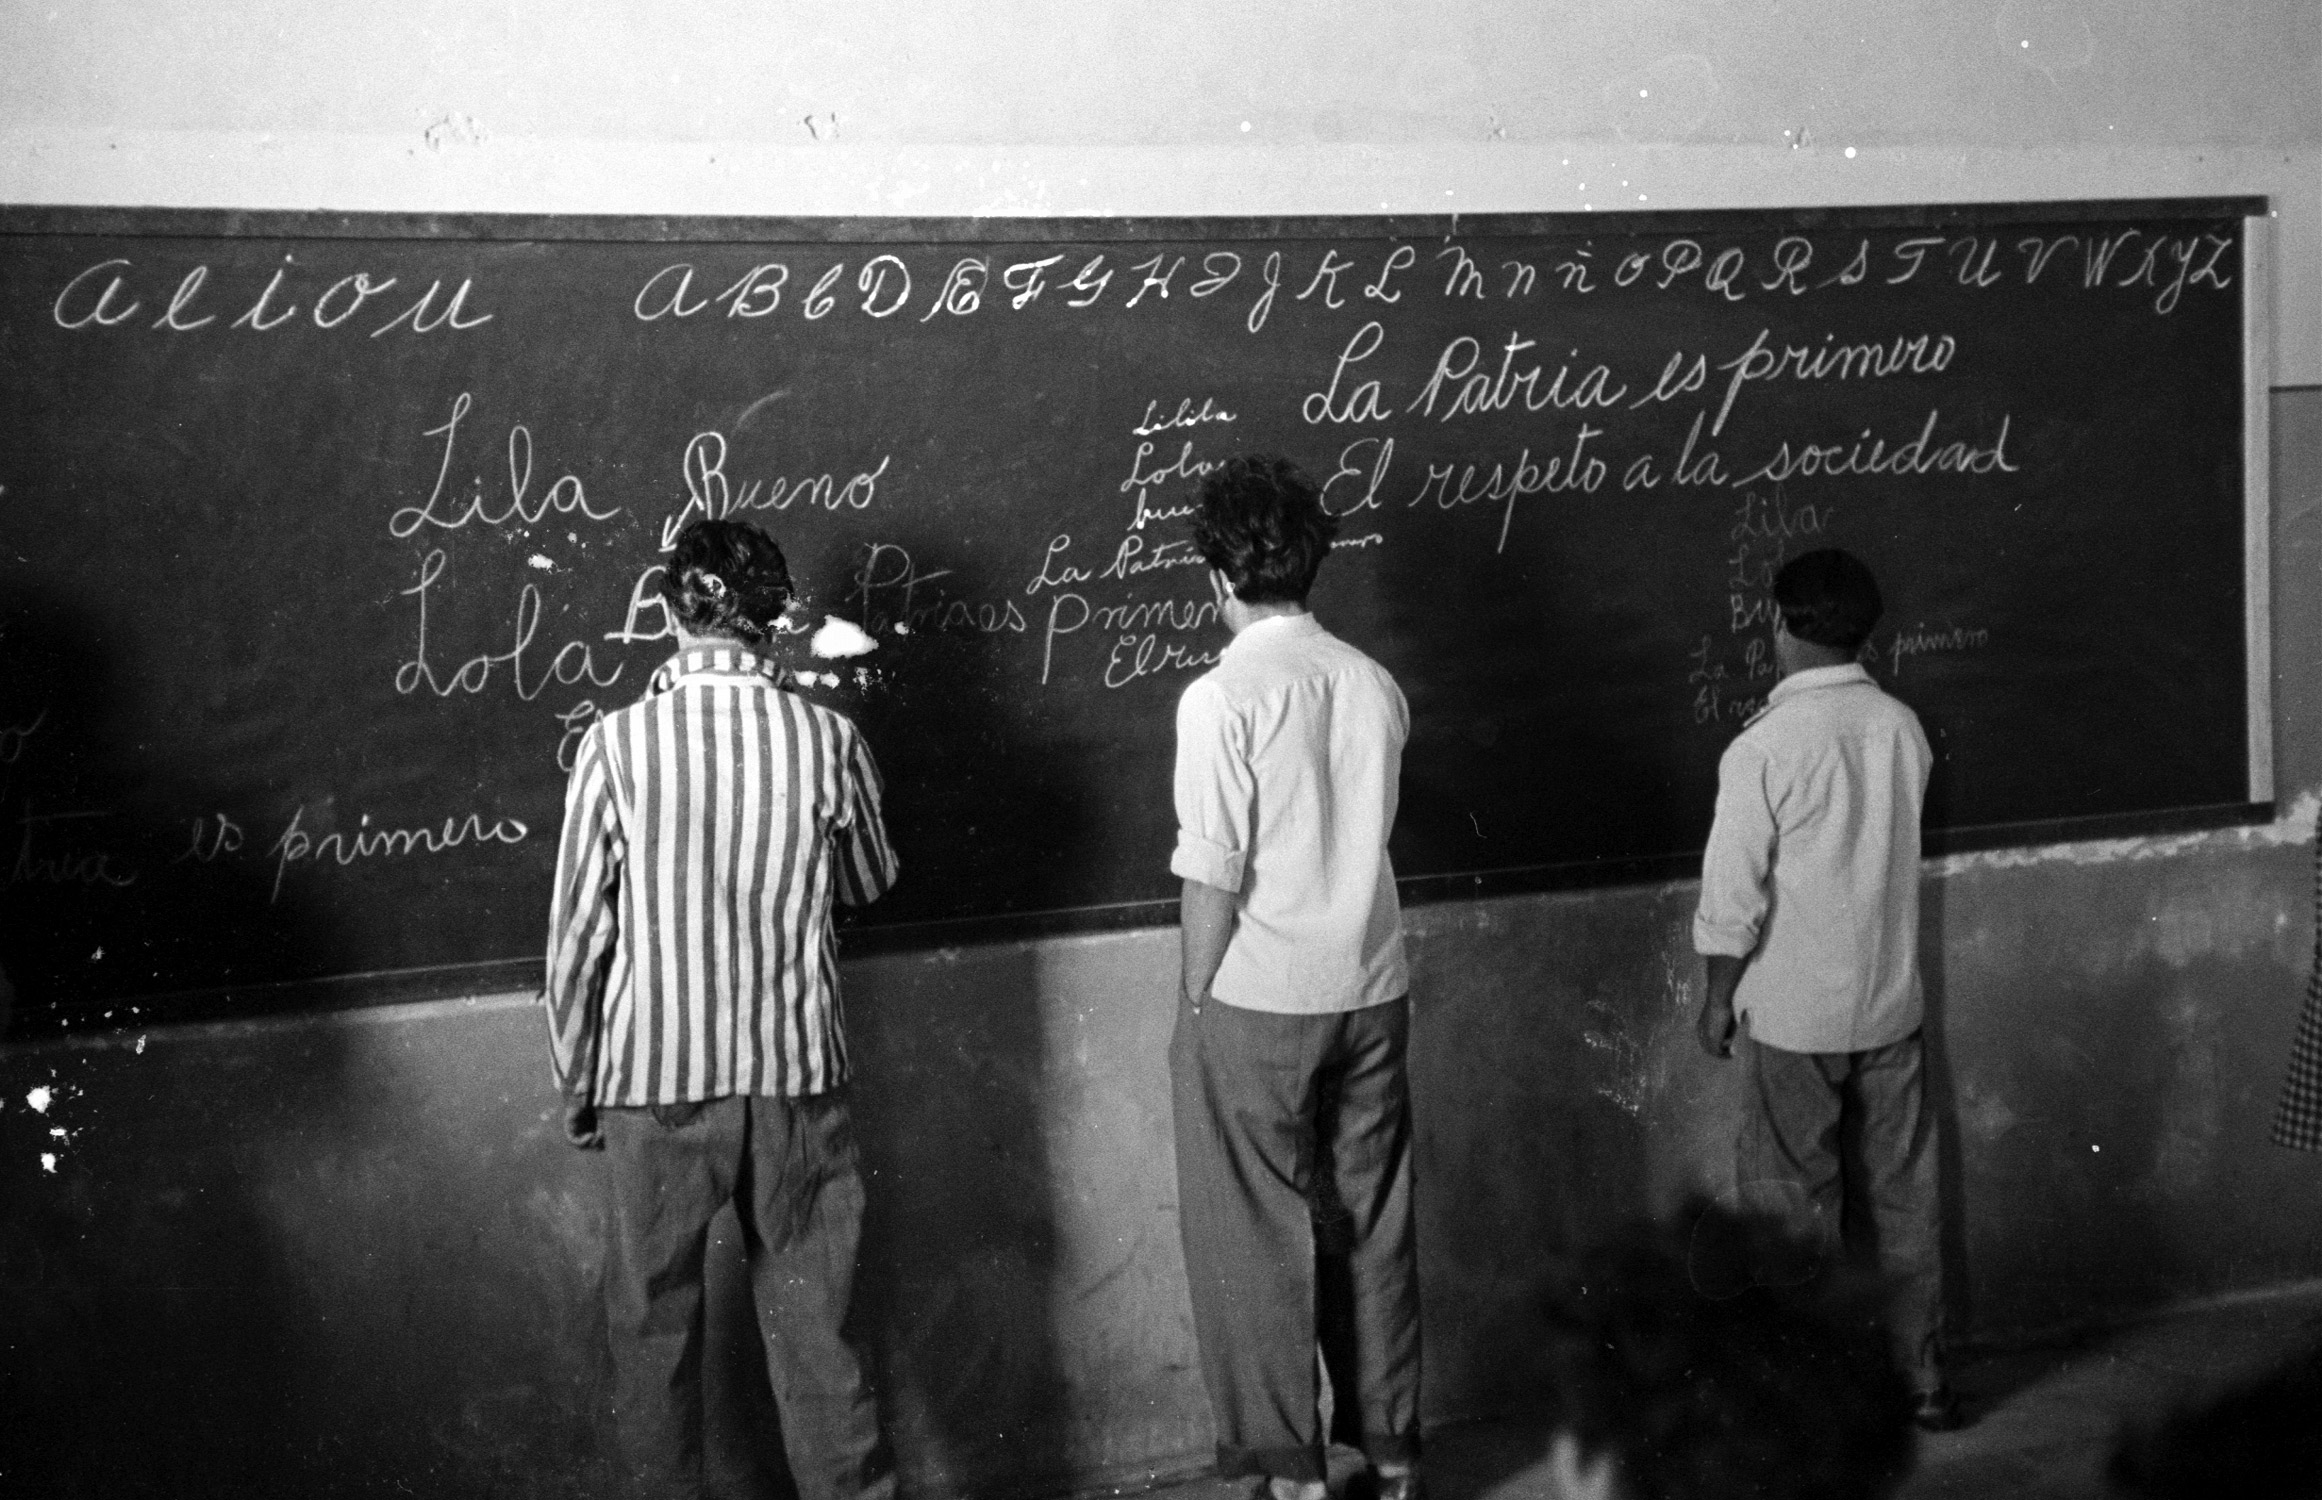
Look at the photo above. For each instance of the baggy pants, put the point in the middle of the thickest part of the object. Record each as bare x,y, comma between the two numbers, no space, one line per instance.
1789,1159
1294,1199
789,1168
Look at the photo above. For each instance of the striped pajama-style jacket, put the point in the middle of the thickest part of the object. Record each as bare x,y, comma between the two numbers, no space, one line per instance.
707,829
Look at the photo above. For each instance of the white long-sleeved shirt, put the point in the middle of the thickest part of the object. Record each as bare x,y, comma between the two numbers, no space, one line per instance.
1812,869
1289,758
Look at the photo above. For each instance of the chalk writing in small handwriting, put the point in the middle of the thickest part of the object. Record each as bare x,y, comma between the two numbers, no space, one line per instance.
295,844
565,497
1764,526
1138,648
1185,416
210,840
14,737
47,855
1922,640
99,297
711,496
894,594
572,663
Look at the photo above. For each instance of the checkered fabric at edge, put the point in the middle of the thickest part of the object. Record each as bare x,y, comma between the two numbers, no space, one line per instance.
2298,1118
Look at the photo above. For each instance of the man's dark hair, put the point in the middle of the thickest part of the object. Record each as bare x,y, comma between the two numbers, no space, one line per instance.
2257,1440
1714,1354
1261,524
726,578
1829,598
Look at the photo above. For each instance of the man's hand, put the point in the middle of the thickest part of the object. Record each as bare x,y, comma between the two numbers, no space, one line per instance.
580,1125
1715,1026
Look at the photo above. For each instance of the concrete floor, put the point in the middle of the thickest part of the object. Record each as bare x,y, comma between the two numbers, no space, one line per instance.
2044,1418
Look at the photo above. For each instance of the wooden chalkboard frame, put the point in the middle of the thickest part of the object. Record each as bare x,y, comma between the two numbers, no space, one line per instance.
511,974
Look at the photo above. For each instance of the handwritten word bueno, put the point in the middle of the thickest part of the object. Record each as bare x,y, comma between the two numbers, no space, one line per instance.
100,296
711,496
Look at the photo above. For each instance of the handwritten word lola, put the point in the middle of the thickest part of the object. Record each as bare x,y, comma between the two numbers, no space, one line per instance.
99,297
40,860
1904,355
295,843
711,496
564,498
572,662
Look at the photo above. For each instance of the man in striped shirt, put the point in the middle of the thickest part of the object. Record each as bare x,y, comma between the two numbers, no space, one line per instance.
694,1020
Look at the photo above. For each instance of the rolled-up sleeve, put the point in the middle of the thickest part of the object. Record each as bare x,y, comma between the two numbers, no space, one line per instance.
1215,790
1740,856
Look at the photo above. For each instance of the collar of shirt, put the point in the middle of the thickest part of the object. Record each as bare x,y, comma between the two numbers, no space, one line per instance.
1258,633
1843,675
713,661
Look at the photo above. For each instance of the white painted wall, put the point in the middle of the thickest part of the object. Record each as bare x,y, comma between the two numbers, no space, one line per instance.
1217,107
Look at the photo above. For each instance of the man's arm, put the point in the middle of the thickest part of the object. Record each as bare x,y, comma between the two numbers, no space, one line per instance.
1205,917
1214,790
1734,871
583,924
867,866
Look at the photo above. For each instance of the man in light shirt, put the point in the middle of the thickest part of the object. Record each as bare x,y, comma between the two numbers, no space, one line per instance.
1809,921
1287,1064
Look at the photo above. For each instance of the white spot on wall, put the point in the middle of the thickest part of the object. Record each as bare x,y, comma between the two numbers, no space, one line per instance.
48,1162
1669,100
40,1099
541,561
2047,36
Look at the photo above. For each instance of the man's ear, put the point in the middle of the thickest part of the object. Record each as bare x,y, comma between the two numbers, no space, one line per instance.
1573,1477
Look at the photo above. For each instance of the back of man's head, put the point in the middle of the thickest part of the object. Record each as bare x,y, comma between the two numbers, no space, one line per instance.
726,578
1714,1355
1829,598
1261,523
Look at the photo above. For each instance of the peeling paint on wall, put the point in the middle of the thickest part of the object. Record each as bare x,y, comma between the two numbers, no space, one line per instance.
2292,825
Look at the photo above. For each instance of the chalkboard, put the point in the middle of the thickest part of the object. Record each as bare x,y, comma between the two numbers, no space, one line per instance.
323,537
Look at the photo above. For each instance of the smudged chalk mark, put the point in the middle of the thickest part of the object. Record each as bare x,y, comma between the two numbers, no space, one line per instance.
839,637
40,1099
48,1162
542,561
754,407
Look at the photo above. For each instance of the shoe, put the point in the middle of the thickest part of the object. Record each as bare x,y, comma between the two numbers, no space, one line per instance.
1937,1410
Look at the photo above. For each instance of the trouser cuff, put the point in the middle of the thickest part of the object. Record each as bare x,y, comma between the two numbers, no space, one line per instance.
1403,1450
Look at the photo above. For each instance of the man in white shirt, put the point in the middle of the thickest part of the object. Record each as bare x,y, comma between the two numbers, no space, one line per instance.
1809,921
1287,1064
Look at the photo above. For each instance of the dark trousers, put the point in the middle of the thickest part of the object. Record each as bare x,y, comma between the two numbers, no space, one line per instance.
1294,1198
1815,1121
788,1166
